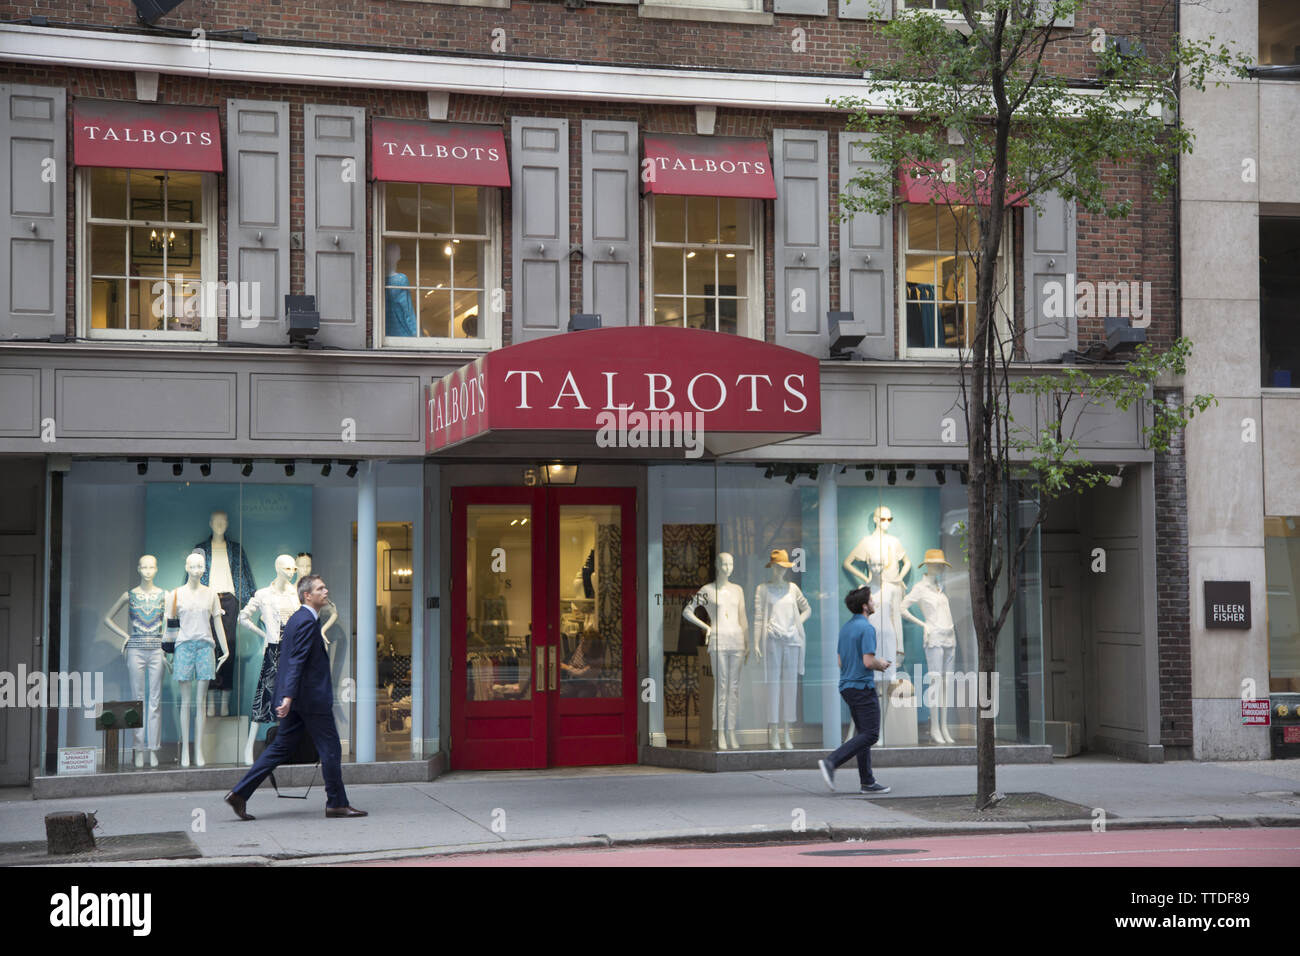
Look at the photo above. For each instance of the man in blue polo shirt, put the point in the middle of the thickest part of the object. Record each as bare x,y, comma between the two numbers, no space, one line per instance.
857,660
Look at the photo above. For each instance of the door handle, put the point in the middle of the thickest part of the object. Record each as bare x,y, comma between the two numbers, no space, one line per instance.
554,655
540,683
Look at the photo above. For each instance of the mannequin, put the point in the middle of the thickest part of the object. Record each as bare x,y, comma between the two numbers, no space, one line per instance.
329,613
199,611
231,578
725,603
940,638
882,553
142,648
399,306
274,605
780,610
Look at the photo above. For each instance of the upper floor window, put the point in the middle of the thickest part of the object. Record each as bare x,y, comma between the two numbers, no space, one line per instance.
938,288
1279,33
704,264
439,265
1279,300
146,254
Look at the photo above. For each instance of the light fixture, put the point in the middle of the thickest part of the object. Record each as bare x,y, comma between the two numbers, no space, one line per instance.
289,466
247,469
731,255
559,474
177,468
892,477
583,321
142,466
326,466
911,473
871,474
790,476
964,474
690,255
1116,480
205,468
846,333
940,476
303,319
352,470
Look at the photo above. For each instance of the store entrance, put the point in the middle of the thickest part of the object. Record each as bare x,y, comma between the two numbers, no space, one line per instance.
543,627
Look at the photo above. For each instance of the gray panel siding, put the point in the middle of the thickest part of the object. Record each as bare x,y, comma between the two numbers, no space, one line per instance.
113,404
335,233
866,250
20,402
1050,255
802,239
610,221
539,160
383,408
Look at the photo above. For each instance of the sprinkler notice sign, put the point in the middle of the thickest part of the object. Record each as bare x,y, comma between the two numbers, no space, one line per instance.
1255,712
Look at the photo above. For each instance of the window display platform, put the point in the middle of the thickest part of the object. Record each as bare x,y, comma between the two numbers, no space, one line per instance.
294,778
927,756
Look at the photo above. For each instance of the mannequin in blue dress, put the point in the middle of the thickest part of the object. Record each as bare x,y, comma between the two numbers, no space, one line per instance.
399,306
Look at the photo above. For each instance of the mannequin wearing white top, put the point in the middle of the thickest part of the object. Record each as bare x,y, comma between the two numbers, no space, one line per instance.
193,599
780,610
142,649
273,605
940,640
727,641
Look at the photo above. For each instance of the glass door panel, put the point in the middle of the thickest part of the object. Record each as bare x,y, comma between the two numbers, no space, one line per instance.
498,602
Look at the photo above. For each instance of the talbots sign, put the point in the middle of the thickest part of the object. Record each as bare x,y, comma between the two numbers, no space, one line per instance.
579,381
1227,604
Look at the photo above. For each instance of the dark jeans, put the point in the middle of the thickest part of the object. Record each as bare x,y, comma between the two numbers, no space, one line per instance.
865,709
326,737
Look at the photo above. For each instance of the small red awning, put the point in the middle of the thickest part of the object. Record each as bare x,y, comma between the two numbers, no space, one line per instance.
406,151
923,182
708,166
145,136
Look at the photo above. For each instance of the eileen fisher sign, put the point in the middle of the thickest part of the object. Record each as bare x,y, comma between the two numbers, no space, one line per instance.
1227,604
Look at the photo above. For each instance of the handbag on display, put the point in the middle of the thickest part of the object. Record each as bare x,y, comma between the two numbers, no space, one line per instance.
173,625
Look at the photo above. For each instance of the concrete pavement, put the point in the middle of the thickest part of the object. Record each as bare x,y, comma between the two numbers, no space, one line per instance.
478,812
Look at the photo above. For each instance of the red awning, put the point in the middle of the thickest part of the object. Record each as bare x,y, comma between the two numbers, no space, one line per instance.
924,182
145,136
708,166
406,151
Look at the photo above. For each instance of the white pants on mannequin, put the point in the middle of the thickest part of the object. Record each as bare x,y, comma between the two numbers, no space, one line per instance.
939,661
781,670
142,663
726,692
200,691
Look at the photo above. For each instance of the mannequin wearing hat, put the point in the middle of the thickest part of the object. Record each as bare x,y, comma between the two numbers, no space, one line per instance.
727,641
940,638
780,610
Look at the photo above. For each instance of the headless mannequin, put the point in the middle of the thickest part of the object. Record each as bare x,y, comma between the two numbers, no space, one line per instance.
218,522
938,651
781,690
725,602
150,661
329,614
199,595
270,603
882,553
399,309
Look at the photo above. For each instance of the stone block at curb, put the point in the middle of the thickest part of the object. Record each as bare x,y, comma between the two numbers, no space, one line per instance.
839,833
469,849
756,834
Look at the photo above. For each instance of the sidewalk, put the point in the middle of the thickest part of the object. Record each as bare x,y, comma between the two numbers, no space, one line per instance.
477,812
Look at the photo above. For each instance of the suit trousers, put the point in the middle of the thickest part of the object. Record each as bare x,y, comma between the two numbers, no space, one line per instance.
142,662
326,737
865,709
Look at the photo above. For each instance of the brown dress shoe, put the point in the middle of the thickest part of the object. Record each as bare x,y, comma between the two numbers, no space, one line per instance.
344,812
237,803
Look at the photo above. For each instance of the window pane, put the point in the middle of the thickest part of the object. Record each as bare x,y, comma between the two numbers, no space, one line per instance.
949,320
699,313
107,303
921,228
734,225
401,207
399,300
701,219
469,214
920,268
667,271
435,263
435,209
466,256
728,314
668,310
435,313
670,221
184,197
732,269
108,193
500,622
146,187
108,250
183,301
1279,33
468,306
140,305
699,273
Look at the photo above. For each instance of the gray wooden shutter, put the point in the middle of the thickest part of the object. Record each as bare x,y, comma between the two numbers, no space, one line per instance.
802,240
867,257
1050,255
34,227
1044,15
811,8
257,214
334,167
610,189
866,9
539,256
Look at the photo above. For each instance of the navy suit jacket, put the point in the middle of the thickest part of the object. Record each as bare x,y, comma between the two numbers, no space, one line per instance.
304,669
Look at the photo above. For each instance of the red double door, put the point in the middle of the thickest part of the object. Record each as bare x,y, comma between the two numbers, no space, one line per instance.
543,627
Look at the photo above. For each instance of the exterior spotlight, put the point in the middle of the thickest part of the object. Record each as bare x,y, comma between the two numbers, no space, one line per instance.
247,469
871,474
326,469
177,468
352,471
142,466
205,468
892,477
911,474
289,469
940,476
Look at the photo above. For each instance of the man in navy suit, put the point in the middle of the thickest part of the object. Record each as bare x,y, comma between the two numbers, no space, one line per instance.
302,685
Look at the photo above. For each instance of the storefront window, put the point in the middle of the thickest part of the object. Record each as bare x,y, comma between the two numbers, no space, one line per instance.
438,264
145,253
1282,572
756,562
174,591
703,262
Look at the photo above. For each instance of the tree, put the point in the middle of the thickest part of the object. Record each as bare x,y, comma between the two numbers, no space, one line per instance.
983,103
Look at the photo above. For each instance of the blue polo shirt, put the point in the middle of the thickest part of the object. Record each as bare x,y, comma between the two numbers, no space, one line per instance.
857,637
